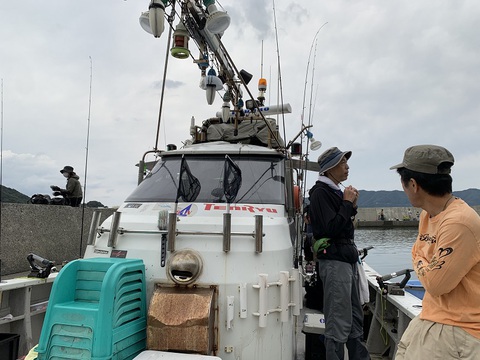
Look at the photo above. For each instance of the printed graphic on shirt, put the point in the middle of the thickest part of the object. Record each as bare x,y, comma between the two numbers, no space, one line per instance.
437,262
427,238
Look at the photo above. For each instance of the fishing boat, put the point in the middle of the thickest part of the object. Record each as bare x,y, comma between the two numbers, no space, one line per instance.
204,259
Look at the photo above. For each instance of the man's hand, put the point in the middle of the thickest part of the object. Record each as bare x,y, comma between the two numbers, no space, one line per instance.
350,194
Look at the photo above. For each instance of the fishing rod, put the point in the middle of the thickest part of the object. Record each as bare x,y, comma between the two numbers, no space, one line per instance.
308,133
306,72
304,128
313,46
310,114
86,157
280,91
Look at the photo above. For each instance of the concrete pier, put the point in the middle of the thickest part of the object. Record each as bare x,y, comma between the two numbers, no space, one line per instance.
54,232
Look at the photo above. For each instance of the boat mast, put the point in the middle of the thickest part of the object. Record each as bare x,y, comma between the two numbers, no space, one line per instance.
160,109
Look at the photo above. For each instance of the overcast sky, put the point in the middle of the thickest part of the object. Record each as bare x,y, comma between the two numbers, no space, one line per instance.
383,75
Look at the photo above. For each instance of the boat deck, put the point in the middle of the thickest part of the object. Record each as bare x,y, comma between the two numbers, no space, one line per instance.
301,341
389,315
30,297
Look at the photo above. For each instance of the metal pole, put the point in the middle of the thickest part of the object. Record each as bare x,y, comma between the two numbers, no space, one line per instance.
172,228
227,231
258,233
93,227
113,235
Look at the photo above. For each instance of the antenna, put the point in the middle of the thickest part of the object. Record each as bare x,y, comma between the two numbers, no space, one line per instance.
262,83
261,62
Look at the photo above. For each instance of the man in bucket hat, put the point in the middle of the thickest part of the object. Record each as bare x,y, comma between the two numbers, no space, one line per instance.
332,212
73,191
446,259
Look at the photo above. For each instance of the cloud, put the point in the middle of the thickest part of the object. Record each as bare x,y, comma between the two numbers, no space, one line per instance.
24,172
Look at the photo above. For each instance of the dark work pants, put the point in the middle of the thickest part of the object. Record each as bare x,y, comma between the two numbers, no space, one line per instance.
75,202
343,311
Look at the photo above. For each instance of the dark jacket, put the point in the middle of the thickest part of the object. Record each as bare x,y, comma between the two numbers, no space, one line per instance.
73,189
331,217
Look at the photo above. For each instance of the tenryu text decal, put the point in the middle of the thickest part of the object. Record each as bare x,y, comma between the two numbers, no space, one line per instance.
246,208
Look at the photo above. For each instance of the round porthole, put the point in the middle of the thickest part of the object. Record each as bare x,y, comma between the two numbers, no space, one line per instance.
184,266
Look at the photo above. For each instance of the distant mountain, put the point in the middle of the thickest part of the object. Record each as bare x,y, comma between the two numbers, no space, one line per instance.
368,198
396,198
470,196
13,196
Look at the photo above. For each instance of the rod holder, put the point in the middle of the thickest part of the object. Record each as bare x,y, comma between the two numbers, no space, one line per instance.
297,292
258,233
262,300
172,229
162,222
227,231
113,235
284,295
92,234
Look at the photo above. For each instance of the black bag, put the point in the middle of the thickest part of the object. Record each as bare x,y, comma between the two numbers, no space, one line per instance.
58,201
40,199
314,292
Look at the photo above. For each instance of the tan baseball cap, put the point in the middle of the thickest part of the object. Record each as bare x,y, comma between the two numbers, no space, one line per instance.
426,159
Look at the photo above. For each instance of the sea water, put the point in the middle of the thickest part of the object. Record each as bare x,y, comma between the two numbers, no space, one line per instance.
392,249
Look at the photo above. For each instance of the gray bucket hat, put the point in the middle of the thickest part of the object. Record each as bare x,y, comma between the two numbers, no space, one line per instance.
331,157
67,168
426,159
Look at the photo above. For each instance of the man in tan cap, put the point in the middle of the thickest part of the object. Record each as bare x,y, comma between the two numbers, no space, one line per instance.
446,258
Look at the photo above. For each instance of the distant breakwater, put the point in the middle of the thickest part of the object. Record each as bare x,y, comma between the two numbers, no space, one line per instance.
389,214
392,216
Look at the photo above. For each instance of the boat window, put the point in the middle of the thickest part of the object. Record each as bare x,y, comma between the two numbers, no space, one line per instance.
262,180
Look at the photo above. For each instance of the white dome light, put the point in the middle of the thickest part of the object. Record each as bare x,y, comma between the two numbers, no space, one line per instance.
217,21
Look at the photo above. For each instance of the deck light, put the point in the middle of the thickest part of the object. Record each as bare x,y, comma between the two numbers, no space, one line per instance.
213,84
217,21
262,87
296,149
153,20
180,42
145,21
314,144
226,107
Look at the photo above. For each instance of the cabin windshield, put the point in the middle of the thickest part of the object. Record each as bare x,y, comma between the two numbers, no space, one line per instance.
262,180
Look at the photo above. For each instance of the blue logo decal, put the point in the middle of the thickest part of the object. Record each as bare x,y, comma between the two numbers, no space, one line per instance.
185,211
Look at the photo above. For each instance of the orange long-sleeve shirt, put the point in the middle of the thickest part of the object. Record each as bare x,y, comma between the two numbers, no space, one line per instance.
446,258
